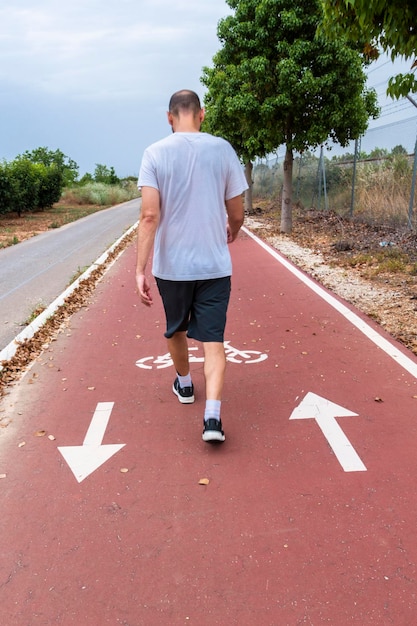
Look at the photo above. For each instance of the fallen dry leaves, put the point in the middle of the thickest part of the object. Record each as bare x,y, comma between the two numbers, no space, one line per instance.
29,349
335,241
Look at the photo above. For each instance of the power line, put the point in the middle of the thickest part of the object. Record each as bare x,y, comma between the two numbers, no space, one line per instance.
379,67
397,123
383,82
389,110
395,102
390,113
395,105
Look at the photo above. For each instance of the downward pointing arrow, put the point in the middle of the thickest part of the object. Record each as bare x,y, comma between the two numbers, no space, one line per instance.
84,460
325,412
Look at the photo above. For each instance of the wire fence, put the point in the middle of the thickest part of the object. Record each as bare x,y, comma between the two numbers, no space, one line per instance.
373,179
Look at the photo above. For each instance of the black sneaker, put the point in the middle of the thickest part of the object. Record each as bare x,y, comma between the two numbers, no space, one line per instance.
212,431
184,394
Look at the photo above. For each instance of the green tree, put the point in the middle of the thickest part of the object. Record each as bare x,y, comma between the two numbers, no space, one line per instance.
106,175
86,179
67,166
233,112
397,150
113,179
377,24
276,81
378,153
101,173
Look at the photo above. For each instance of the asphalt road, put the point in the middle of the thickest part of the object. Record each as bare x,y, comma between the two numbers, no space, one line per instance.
38,270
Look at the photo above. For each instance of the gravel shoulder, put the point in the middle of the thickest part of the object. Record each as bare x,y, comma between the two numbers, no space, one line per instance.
389,298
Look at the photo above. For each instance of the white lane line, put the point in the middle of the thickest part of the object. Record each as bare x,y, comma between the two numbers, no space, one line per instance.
27,333
391,350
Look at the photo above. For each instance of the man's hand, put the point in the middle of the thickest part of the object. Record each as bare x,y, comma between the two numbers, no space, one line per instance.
144,289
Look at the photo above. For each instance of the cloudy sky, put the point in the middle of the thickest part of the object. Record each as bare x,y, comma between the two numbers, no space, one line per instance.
93,78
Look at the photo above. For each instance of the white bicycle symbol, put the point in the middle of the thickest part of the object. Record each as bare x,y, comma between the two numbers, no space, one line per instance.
233,355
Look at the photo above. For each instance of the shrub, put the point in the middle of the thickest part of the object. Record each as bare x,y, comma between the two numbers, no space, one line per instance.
27,186
99,193
51,181
25,183
5,188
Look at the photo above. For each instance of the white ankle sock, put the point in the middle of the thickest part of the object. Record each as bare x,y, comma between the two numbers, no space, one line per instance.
184,381
212,410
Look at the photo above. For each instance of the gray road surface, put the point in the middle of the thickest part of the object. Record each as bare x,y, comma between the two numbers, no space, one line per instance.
38,270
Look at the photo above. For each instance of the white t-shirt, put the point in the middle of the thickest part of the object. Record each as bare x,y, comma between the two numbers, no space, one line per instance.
194,173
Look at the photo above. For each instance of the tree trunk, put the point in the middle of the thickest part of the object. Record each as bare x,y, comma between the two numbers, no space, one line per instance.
286,205
248,192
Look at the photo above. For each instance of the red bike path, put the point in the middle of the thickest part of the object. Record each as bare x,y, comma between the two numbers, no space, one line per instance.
309,520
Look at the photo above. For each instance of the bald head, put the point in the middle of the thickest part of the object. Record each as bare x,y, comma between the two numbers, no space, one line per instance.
185,113
184,101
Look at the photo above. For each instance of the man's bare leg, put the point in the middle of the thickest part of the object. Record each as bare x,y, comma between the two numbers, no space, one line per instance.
178,348
183,386
214,371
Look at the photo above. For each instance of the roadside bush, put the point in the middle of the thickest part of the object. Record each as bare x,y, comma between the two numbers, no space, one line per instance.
5,188
34,180
51,181
99,193
25,183
26,186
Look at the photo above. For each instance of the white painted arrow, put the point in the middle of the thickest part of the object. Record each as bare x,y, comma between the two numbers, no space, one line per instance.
84,460
325,412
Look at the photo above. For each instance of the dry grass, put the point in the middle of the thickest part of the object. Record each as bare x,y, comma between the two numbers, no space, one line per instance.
382,190
14,229
383,195
99,194
374,249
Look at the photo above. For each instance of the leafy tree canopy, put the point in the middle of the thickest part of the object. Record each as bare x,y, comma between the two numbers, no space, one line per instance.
104,174
378,24
276,81
67,166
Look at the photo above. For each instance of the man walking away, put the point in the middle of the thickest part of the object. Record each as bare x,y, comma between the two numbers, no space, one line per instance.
192,207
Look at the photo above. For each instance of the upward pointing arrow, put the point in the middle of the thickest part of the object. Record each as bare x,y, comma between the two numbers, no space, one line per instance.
325,412
84,460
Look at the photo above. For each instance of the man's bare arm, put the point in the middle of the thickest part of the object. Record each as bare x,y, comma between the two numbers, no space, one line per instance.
235,215
149,220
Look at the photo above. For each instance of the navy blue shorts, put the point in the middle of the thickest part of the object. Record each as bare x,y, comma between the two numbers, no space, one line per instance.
196,306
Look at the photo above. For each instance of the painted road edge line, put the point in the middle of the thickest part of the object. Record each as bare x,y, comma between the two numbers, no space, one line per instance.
27,333
390,349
